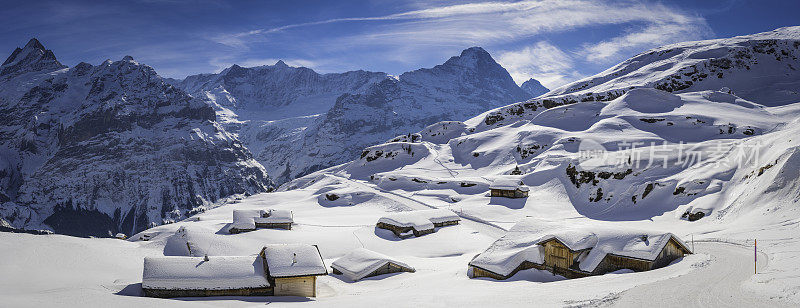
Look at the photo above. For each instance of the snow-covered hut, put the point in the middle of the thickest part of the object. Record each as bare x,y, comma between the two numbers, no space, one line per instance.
281,219
417,222
578,252
244,220
198,276
249,220
293,268
509,187
362,263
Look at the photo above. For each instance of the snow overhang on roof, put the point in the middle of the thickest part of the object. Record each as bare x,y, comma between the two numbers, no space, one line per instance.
508,183
361,262
195,273
291,260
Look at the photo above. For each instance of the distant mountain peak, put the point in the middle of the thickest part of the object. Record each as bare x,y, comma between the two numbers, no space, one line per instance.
31,58
534,87
35,44
280,63
475,50
127,58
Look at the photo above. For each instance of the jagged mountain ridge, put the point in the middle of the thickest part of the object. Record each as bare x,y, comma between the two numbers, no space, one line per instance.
366,108
272,92
761,67
90,150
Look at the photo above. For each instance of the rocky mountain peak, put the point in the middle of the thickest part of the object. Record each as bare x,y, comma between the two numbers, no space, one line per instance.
534,87
280,63
33,57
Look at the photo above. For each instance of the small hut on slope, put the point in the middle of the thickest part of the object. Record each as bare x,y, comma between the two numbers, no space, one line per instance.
509,187
293,268
244,220
362,263
196,276
417,222
276,219
577,252
249,220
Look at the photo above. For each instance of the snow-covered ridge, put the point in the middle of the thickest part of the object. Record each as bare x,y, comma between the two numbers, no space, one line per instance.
296,121
760,67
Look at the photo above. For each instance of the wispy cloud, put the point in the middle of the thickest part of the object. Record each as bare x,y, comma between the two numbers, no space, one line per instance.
498,23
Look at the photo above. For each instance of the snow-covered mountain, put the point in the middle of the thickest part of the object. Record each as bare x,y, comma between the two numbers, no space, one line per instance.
761,68
279,91
534,88
315,121
700,159
705,164
90,150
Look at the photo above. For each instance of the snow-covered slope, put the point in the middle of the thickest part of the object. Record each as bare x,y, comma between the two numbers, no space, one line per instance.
296,121
90,150
761,68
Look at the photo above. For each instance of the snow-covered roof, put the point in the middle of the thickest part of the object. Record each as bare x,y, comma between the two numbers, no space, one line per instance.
276,217
574,240
419,220
245,219
289,260
627,243
508,183
362,262
521,243
194,273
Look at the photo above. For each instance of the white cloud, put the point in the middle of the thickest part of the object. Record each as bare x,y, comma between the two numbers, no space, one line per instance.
495,22
542,61
650,36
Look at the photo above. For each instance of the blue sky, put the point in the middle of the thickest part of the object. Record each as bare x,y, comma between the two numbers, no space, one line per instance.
554,41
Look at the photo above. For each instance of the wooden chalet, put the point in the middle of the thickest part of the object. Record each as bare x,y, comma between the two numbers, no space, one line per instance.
362,263
250,220
581,253
293,268
418,223
197,276
509,187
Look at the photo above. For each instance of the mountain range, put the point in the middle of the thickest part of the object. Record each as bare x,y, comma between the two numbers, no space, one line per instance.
97,150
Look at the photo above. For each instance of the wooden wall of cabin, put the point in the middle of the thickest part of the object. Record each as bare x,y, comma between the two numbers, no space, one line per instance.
557,255
200,293
389,268
296,286
614,263
670,252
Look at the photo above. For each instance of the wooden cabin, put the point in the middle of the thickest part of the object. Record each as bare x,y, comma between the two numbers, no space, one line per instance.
275,219
509,187
293,268
197,276
250,220
418,223
579,253
362,263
